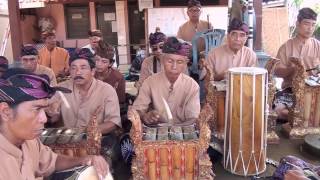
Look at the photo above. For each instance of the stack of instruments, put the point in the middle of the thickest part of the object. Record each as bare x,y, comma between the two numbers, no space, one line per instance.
246,122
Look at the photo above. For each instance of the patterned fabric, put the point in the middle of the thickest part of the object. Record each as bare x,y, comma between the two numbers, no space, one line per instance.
193,3
28,50
83,53
307,13
284,97
157,37
46,34
175,46
237,24
126,147
95,32
291,162
26,87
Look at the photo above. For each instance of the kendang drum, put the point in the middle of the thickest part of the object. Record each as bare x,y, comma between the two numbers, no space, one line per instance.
170,152
80,173
245,123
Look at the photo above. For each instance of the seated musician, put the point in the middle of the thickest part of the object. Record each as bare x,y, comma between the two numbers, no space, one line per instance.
88,95
29,60
23,98
302,46
172,86
152,64
233,53
106,73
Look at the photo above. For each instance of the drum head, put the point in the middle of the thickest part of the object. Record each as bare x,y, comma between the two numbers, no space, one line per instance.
88,173
247,70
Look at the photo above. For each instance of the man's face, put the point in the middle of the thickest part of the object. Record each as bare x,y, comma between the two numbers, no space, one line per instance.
94,41
80,72
194,13
102,64
236,39
174,65
51,42
306,27
157,49
29,62
26,121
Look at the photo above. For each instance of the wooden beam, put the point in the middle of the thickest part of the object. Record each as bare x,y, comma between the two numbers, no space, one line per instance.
156,3
92,12
223,2
15,28
257,4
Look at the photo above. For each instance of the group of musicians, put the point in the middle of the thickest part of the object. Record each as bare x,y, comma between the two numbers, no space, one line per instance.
26,99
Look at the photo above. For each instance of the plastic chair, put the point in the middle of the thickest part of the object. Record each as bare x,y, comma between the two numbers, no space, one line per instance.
212,38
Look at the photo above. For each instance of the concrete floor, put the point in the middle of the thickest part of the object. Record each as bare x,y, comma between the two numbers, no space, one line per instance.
275,152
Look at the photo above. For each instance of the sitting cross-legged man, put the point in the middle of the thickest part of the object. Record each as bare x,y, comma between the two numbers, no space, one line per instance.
23,99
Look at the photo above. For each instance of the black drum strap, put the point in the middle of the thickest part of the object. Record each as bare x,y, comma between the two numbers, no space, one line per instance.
154,64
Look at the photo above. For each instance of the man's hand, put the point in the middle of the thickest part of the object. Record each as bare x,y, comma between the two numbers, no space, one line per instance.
99,163
151,117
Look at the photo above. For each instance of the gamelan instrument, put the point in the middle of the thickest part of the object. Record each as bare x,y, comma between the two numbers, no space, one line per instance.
172,151
245,123
73,142
167,161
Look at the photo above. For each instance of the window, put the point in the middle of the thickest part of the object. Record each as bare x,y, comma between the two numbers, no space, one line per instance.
77,21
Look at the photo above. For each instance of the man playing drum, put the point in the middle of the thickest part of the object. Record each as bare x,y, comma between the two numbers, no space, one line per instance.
171,87
233,53
23,98
152,64
302,46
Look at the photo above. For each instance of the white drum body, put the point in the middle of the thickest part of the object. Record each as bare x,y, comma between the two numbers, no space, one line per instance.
246,121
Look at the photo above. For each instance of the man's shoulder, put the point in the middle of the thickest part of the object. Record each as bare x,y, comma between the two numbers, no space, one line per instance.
154,78
315,41
43,68
67,84
202,22
62,50
187,80
102,86
116,74
184,24
218,49
148,59
248,51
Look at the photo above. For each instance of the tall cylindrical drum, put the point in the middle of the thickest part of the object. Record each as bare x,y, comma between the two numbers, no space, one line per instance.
246,121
